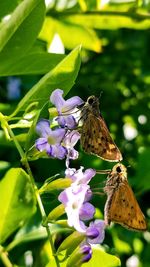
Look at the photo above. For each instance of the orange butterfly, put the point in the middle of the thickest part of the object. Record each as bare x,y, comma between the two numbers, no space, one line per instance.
95,136
121,205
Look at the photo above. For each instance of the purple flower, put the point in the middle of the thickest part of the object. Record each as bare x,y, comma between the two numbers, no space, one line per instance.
50,140
86,250
80,177
64,107
69,141
96,232
87,211
74,198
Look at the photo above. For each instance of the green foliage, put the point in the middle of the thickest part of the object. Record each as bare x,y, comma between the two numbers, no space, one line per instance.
19,32
63,75
19,204
103,259
65,29
114,58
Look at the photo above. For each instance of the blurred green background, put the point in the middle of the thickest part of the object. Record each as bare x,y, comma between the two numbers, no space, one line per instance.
115,40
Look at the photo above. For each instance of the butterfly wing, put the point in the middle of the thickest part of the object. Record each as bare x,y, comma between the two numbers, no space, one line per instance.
96,139
123,208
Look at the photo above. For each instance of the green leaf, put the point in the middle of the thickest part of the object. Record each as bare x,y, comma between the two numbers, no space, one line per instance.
99,259
20,31
33,230
17,202
79,34
7,6
111,21
62,76
32,63
102,259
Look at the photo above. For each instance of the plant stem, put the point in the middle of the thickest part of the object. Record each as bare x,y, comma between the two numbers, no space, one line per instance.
37,195
4,257
40,204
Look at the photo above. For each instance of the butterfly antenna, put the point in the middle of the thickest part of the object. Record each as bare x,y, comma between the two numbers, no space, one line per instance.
101,92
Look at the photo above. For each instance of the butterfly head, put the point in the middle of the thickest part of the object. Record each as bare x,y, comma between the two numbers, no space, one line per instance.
92,105
93,100
119,169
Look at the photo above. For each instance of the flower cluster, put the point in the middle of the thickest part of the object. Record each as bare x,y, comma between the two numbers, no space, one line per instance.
78,208
58,142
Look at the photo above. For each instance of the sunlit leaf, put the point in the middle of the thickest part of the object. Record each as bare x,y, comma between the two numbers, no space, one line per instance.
7,7
62,76
102,259
19,32
32,63
17,202
79,34
111,21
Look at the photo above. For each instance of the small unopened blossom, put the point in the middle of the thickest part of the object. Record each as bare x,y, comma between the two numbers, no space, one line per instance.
81,254
96,232
86,251
50,140
65,108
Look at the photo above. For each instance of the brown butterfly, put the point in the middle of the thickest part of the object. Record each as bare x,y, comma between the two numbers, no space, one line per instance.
121,205
95,136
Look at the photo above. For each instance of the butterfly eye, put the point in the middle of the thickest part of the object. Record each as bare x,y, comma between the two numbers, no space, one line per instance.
118,169
90,100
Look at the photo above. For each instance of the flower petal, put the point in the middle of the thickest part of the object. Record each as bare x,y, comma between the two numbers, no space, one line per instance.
71,103
97,228
67,121
88,175
63,198
58,151
88,195
71,138
58,135
74,221
72,153
43,128
81,177
61,121
57,99
87,211
73,199
87,252
69,172
41,144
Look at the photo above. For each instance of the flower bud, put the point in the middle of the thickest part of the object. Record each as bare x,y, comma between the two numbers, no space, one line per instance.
80,255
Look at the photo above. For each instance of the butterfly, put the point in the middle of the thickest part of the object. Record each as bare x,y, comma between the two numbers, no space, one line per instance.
121,205
95,136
